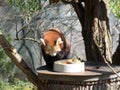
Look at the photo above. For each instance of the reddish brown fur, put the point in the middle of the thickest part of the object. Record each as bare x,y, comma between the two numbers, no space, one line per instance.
50,38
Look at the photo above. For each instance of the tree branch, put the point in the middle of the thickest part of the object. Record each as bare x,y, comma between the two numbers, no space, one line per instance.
18,60
30,39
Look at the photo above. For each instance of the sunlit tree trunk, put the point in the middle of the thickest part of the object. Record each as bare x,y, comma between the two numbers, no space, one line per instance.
93,16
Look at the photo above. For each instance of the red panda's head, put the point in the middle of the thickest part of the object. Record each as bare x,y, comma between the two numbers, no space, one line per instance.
52,42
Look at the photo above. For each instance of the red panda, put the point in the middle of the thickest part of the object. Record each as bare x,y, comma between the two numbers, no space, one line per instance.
54,46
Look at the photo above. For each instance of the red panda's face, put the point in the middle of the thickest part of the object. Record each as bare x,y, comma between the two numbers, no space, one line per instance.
52,43
53,49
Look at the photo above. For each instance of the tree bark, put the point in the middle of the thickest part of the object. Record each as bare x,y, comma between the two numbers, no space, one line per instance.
18,60
95,29
116,55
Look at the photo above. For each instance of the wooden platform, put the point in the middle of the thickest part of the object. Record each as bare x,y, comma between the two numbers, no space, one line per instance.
93,75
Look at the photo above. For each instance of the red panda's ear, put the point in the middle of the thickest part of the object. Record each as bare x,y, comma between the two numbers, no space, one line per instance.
59,41
43,41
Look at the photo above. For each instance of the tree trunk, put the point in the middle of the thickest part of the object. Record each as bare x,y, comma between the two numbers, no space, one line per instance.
95,29
116,56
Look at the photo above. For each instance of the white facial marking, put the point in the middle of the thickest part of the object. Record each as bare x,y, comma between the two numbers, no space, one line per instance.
43,42
59,41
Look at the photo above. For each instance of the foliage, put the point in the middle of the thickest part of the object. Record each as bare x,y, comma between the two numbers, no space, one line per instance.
26,7
6,66
16,85
29,7
115,7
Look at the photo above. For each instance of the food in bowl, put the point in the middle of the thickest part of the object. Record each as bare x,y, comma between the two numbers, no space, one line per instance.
69,65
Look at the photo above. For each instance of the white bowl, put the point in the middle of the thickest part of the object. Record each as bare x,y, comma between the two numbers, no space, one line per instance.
73,67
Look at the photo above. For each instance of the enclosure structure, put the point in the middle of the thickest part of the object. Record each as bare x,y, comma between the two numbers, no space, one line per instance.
93,78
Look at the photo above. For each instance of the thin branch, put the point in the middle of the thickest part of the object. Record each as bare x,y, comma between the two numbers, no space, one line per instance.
105,60
31,39
24,27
